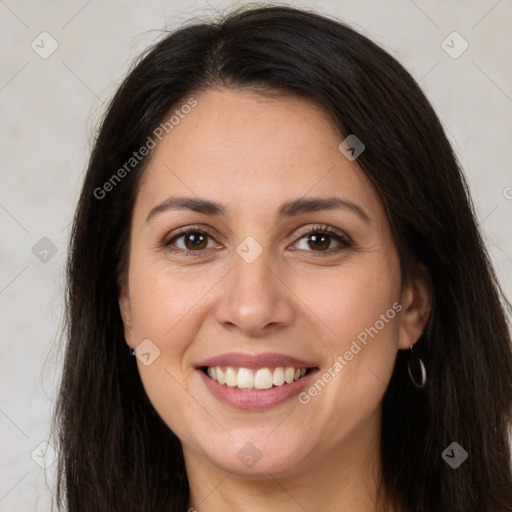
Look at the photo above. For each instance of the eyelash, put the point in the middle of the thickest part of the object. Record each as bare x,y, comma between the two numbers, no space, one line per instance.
331,232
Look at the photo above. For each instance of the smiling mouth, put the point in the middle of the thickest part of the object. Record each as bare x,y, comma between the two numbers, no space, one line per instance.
257,379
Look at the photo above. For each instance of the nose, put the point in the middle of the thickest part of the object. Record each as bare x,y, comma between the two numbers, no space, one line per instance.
255,299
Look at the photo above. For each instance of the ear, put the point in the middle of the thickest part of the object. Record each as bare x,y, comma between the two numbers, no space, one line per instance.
126,314
416,300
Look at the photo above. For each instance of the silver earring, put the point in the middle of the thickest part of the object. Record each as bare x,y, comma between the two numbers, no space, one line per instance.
416,362
132,352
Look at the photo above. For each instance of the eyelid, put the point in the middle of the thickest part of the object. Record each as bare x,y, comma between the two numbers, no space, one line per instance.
304,230
192,227
299,233
179,232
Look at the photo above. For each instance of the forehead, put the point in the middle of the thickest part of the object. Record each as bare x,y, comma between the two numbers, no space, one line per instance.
248,150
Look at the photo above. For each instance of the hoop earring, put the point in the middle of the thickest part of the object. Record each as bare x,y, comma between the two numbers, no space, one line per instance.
415,360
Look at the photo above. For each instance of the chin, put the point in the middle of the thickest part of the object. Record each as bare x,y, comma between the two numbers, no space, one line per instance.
254,453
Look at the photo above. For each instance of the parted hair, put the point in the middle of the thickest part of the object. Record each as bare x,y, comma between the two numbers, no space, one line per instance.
115,452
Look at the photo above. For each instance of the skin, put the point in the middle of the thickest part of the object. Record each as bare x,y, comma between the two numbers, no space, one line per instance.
252,153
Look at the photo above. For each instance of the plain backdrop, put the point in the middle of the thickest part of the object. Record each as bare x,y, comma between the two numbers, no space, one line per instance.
50,107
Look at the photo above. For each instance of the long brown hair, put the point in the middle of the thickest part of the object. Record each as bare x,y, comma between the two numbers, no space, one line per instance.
115,452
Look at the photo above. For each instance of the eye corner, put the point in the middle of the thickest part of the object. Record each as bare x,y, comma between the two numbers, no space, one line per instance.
344,240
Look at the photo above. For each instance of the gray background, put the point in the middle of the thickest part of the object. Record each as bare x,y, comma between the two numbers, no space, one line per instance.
51,107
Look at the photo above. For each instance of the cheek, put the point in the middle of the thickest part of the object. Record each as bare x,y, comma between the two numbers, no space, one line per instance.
360,309
170,304
360,350
165,306
353,300
163,302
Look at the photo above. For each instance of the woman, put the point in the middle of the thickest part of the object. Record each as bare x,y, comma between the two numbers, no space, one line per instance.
279,298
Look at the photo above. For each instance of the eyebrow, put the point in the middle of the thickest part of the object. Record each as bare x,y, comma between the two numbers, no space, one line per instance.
288,209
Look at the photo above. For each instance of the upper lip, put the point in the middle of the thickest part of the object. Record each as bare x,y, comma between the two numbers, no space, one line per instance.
255,361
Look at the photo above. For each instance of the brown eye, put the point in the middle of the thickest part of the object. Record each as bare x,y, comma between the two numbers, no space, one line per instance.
189,241
320,239
195,240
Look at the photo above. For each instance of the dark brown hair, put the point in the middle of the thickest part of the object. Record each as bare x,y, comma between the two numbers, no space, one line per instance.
116,454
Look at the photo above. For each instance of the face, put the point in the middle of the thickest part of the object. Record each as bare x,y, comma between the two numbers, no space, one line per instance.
280,280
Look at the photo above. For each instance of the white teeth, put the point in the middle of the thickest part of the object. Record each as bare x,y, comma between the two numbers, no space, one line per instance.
278,377
289,374
221,379
231,379
263,378
245,378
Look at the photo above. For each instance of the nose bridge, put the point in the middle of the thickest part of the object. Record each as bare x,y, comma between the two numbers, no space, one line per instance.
252,272
255,297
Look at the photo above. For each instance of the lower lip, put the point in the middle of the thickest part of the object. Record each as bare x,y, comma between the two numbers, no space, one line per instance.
255,399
